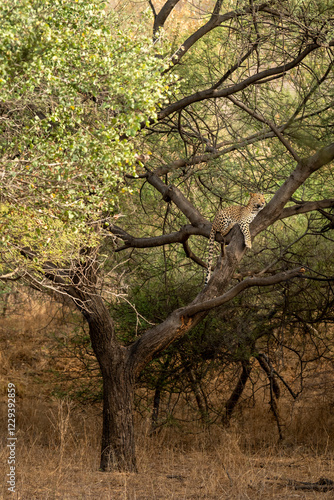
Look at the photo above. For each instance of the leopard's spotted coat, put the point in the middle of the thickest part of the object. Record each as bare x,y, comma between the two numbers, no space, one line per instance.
228,217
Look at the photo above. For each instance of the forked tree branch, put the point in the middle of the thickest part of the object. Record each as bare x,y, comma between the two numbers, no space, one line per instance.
309,94
180,236
172,193
298,176
207,157
13,276
190,254
183,234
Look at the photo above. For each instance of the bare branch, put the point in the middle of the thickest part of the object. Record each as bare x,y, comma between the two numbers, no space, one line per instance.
160,18
237,87
307,206
233,292
189,253
153,8
182,320
306,167
11,276
172,193
205,158
309,94
214,21
273,127
234,67
180,236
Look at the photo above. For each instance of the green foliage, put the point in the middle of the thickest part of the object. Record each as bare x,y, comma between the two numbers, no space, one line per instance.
75,88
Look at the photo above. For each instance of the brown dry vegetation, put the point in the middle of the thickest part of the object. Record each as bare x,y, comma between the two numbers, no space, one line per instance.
58,440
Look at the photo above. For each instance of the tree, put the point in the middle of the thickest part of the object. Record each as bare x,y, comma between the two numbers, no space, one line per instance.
251,111
76,87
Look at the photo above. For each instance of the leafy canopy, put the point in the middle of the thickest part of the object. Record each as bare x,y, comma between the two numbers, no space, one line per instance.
75,88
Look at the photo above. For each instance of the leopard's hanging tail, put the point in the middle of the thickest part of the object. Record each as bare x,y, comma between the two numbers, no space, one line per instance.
211,247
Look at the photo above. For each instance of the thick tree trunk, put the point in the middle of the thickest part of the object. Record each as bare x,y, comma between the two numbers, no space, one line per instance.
118,443
119,365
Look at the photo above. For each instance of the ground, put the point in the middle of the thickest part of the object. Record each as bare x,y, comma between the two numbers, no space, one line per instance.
58,439
213,467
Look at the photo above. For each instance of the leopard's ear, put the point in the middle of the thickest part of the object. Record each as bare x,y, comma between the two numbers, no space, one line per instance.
252,194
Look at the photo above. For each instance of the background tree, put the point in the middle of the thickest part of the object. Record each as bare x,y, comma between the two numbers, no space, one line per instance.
251,112
75,89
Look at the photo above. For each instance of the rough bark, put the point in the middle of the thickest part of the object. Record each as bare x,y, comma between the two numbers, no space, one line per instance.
121,365
118,444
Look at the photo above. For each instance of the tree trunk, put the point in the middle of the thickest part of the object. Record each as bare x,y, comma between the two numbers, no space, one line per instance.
197,390
232,402
275,391
268,369
157,394
118,443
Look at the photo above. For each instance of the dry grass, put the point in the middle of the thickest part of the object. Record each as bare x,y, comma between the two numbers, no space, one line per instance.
58,442
58,453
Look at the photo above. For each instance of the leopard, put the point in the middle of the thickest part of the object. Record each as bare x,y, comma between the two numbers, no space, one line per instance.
228,217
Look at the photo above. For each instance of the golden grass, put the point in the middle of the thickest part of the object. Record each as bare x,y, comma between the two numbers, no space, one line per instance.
58,453
58,442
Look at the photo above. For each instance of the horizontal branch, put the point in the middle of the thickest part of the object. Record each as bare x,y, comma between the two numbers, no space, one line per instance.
180,236
307,206
243,285
187,230
13,276
180,321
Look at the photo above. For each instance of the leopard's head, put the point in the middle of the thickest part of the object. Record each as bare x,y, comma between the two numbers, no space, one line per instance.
257,201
